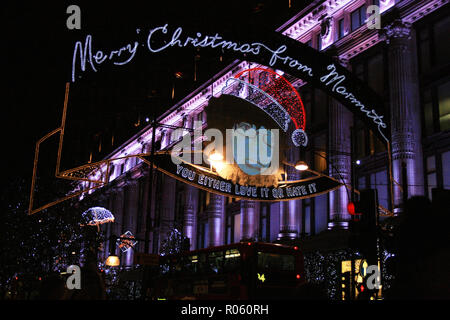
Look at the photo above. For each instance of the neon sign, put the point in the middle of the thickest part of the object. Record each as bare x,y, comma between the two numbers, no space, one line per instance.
332,79
85,55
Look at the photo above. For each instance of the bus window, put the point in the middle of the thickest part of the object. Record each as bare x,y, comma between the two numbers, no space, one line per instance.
202,263
178,265
215,260
191,264
275,262
232,259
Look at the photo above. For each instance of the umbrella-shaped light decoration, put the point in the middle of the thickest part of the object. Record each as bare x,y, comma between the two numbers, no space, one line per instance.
96,216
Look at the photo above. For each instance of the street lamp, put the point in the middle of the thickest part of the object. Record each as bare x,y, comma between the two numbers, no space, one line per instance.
301,166
113,261
215,160
215,156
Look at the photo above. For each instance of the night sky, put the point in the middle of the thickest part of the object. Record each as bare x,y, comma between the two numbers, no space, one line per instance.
37,50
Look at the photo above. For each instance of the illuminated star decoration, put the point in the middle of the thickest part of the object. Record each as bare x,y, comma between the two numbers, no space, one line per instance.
126,241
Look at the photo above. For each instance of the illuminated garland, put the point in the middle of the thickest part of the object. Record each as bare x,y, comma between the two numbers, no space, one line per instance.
324,269
280,90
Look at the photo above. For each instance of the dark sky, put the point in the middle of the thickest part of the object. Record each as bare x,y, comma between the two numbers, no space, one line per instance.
36,60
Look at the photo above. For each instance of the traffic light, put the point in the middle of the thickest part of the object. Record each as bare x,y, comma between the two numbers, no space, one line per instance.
361,287
364,228
365,209
368,205
364,292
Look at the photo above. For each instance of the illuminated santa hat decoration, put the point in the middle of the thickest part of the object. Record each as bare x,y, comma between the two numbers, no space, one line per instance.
275,95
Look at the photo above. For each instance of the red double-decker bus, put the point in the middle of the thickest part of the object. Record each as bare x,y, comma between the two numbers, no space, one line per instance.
245,270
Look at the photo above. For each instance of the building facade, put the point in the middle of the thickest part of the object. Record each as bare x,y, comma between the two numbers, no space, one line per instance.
406,61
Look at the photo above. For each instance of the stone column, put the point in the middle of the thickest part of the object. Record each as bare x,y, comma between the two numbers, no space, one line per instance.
249,220
188,121
216,210
143,211
106,199
339,166
165,138
191,200
405,110
118,214
289,219
290,210
167,208
190,214
131,208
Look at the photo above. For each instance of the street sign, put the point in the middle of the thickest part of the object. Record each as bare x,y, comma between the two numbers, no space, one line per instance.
146,259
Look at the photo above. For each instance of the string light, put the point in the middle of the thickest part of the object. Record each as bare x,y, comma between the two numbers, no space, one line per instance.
282,91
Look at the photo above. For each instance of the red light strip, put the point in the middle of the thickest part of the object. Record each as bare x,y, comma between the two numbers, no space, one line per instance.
281,90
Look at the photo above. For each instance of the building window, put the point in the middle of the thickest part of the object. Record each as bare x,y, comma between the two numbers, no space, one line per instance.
341,28
320,216
431,174
433,49
437,171
318,41
264,222
379,181
440,33
358,17
436,108
443,94
370,68
366,142
427,104
446,170
361,183
306,218
360,136
424,50
320,153
320,107
375,72
358,70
